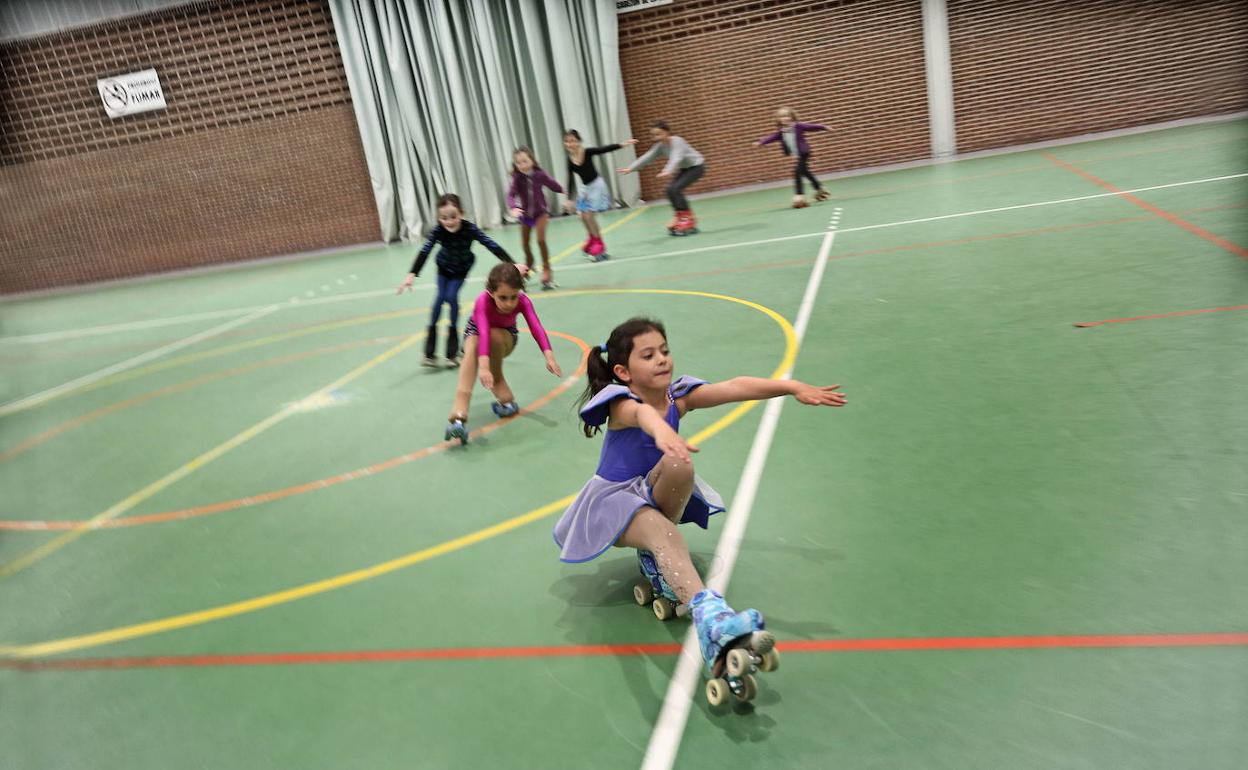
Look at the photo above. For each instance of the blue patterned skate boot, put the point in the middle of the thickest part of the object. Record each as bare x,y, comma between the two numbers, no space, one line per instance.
505,410
652,589
735,646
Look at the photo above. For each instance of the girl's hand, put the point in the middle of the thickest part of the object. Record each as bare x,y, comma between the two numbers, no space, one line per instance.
629,141
663,175
623,171
516,213
569,206
524,269
552,365
672,444
819,396
407,283
758,144
487,377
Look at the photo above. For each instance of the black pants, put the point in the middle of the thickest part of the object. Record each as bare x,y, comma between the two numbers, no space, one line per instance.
803,170
684,178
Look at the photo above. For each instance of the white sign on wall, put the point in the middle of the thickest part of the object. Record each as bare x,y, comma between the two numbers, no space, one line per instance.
128,94
624,6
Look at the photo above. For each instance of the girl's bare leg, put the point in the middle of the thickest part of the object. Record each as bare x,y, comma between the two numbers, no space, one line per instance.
653,531
467,374
671,483
591,224
524,241
501,345
541,244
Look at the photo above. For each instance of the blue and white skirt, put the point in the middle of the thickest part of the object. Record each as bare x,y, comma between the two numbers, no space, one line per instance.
593,196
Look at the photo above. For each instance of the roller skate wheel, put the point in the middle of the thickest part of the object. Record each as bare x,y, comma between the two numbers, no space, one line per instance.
738,662
663,608
762,642
643,594
771,661
717,692
747,689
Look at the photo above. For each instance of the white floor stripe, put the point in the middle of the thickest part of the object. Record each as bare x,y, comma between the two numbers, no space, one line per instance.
171,320
60,390
1039,203
665,740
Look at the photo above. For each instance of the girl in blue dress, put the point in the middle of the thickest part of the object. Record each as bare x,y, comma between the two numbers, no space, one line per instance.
645,484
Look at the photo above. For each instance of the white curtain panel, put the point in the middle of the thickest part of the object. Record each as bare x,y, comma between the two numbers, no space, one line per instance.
445,90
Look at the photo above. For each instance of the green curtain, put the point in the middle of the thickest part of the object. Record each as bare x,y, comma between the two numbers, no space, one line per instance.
445,90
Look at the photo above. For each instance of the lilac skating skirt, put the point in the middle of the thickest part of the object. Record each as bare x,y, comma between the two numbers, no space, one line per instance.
604,509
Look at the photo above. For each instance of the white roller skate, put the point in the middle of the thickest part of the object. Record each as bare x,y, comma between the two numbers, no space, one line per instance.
652,589
734,645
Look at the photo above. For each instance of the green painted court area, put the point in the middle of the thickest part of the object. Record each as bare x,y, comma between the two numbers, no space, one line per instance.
253,549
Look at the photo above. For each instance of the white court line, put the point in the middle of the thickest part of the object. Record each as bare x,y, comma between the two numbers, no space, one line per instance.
665,740
60,390
1040,203
94,330
151,323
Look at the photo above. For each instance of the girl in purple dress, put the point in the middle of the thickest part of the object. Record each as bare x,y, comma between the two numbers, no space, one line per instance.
645,484
791,133
527,202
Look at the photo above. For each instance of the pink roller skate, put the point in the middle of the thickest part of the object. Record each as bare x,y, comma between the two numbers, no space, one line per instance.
597,250
686,224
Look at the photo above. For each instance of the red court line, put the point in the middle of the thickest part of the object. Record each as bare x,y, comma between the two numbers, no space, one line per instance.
668,648
1086,324
1235,249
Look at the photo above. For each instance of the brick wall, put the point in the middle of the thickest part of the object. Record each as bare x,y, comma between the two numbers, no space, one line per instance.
716,70
1031,70
1024,71
256,155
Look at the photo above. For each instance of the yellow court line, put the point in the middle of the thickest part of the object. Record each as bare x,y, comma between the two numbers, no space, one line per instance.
117,509
248,344
577,247
184,620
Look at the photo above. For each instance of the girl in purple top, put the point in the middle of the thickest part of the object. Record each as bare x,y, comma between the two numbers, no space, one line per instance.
645,483
528,204
490,337
791,134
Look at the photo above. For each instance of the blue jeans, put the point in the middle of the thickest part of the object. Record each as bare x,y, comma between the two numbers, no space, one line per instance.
448,292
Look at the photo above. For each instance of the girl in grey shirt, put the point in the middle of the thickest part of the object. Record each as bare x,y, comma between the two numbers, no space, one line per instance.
687,166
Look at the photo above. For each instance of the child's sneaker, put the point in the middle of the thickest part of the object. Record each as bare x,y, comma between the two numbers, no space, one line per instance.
548,285
799,202
456,429
430,361
654,590
822,195
505,410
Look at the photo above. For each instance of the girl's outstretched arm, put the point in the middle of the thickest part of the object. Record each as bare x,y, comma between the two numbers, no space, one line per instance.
753,388
627,413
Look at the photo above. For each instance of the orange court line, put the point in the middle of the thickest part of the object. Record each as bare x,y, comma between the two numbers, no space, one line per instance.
1197,230
660,648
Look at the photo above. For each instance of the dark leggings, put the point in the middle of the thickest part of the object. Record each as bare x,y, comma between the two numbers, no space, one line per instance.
448,292
803,170
676,189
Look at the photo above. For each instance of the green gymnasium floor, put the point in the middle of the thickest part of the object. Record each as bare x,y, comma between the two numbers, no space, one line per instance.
231,535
